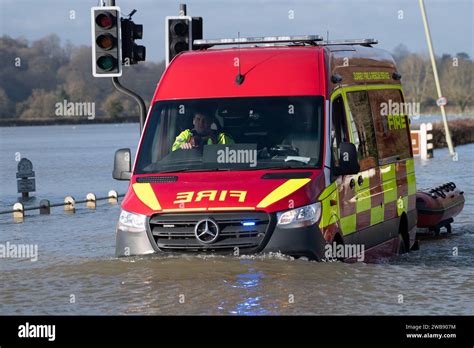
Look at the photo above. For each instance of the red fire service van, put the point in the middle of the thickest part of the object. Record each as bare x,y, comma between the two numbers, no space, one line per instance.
275,144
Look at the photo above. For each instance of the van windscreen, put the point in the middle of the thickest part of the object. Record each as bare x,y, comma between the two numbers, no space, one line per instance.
232,134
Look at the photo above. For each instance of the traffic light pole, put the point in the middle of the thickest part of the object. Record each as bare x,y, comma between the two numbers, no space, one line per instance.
141,104
118,86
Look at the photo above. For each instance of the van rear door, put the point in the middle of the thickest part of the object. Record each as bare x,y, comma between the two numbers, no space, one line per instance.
394,149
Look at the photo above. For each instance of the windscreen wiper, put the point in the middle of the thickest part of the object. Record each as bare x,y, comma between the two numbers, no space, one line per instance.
283,167
301,159
192,170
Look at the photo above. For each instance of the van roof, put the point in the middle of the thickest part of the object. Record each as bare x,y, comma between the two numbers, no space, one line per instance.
267,71
270,71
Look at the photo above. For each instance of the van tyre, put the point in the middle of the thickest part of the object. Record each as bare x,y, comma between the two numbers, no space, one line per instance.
403,237
339,241
416,246
402,249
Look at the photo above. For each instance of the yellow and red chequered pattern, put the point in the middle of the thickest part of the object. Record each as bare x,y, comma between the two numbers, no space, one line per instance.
376,195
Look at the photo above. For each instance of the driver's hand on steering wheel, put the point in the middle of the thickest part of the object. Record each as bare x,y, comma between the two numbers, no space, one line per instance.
186,146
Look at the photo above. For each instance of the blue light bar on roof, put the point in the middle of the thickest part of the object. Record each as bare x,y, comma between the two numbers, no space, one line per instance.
259,40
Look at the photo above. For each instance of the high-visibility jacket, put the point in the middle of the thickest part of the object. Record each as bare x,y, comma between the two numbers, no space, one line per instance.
186,135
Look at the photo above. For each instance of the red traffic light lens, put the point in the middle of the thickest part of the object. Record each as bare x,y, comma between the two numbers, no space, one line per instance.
179,28
106,62
105,41
105,20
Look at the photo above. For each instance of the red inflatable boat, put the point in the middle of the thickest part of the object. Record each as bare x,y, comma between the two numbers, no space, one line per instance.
437,207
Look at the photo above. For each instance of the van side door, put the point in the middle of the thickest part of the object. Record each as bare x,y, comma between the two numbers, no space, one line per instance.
345,183
368,191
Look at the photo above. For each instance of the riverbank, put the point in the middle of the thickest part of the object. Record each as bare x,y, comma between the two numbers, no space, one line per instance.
17,122
462,132
13,122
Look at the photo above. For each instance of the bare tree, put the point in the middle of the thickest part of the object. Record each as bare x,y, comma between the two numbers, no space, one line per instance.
5,105
417,78
458,81
40,105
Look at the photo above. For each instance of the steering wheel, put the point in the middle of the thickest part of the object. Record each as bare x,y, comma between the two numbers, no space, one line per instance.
283,150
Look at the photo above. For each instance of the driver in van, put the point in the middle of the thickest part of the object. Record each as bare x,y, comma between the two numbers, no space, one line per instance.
200,135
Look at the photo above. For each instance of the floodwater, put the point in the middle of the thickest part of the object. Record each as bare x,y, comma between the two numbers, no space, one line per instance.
76,271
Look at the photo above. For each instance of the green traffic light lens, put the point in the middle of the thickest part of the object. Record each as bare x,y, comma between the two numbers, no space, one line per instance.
105,41
106,63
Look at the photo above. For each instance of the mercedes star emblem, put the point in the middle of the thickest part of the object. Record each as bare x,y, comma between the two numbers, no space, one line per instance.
206,231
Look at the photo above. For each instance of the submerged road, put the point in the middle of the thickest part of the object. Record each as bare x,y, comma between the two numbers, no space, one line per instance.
76,271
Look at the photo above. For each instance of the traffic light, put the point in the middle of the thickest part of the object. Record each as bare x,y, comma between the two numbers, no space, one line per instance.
180,32
131,52
106,45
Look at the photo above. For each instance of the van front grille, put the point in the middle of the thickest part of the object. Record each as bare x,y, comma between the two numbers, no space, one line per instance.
175,232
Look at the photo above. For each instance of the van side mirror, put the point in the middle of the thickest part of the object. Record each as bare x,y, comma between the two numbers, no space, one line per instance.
348,162
122,165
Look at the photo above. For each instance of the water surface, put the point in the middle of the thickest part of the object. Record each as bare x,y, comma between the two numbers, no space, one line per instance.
77,273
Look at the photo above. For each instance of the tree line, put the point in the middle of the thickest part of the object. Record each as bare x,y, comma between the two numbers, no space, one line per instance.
456,75
35,76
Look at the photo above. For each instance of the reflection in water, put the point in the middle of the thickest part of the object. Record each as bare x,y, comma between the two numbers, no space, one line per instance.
251,292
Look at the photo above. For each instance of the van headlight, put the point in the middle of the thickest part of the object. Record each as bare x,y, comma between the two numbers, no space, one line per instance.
300,217
131,222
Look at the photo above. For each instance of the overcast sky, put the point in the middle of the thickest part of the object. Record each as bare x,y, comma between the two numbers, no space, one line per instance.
390,21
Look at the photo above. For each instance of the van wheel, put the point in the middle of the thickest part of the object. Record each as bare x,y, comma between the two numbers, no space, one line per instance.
404,242
401,245
339,241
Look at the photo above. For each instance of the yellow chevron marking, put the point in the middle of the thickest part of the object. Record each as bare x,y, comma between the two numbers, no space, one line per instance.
282,191
146,194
